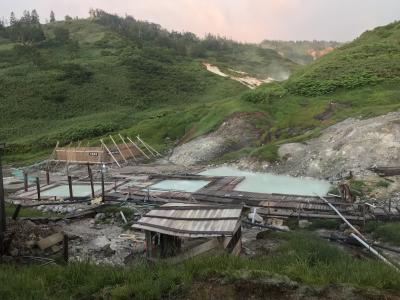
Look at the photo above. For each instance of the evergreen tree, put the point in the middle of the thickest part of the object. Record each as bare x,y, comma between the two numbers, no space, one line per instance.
26,17
35,17
52,17
13,19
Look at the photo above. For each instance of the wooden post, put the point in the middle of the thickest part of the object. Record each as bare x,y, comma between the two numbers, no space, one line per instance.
3,220
363,212
25,181
38,188
71,195
119,150
103,194
149,245
16,212
109,152
47,177
65,248
137,147
126,145
91,180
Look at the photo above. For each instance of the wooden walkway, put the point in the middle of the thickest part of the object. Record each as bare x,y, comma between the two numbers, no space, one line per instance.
221,191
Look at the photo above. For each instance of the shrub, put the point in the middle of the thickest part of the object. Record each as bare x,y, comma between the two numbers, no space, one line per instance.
265,94
61,34
383,183
75,73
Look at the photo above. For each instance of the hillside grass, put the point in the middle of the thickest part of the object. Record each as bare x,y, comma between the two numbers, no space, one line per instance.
388,232
98,83
104,82
302,257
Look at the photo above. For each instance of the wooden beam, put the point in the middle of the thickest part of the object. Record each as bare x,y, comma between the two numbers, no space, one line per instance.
119,150
109,152
146,146
129,149
137,147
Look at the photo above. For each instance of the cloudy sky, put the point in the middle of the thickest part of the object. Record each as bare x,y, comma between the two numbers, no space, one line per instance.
244,20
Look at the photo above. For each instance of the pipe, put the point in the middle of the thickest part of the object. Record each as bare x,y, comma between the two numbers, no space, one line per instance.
373,251
342,217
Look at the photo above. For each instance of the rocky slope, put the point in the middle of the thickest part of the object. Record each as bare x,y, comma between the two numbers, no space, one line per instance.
236,132
352,145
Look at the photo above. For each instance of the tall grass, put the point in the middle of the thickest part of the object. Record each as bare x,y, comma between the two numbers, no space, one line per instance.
302,257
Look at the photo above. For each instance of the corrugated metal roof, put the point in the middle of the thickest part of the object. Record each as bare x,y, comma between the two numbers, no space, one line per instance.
191,220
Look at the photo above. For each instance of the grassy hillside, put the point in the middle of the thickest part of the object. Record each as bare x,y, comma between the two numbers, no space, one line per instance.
372,59
122,75
361,79
93,77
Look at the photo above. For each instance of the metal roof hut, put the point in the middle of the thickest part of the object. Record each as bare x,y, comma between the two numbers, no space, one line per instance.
168,225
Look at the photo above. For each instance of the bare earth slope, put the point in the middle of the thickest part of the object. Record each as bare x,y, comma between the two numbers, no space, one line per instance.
238,131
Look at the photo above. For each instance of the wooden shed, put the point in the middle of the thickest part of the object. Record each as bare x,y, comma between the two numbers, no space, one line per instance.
177,231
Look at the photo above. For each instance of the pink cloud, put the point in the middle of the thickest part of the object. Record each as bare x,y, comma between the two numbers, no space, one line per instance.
245,20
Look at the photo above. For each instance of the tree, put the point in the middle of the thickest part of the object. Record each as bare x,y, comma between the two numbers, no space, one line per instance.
35,17
13,19
52,17
26,17
68,18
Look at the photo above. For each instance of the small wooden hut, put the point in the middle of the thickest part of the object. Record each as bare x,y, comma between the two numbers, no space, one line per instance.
177,231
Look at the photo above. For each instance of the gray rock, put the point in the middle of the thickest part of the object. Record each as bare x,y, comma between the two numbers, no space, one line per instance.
100,216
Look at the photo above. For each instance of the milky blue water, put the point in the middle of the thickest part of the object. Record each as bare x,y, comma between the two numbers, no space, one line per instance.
78,190
189,186
268,183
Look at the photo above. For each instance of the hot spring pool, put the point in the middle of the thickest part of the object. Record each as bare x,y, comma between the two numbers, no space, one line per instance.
189,186
78,190
268,183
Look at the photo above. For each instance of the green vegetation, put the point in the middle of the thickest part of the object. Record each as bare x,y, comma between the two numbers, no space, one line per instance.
25,212
357,187
383,184
116,209
388,232
371,59
92,78
301,257
324,224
